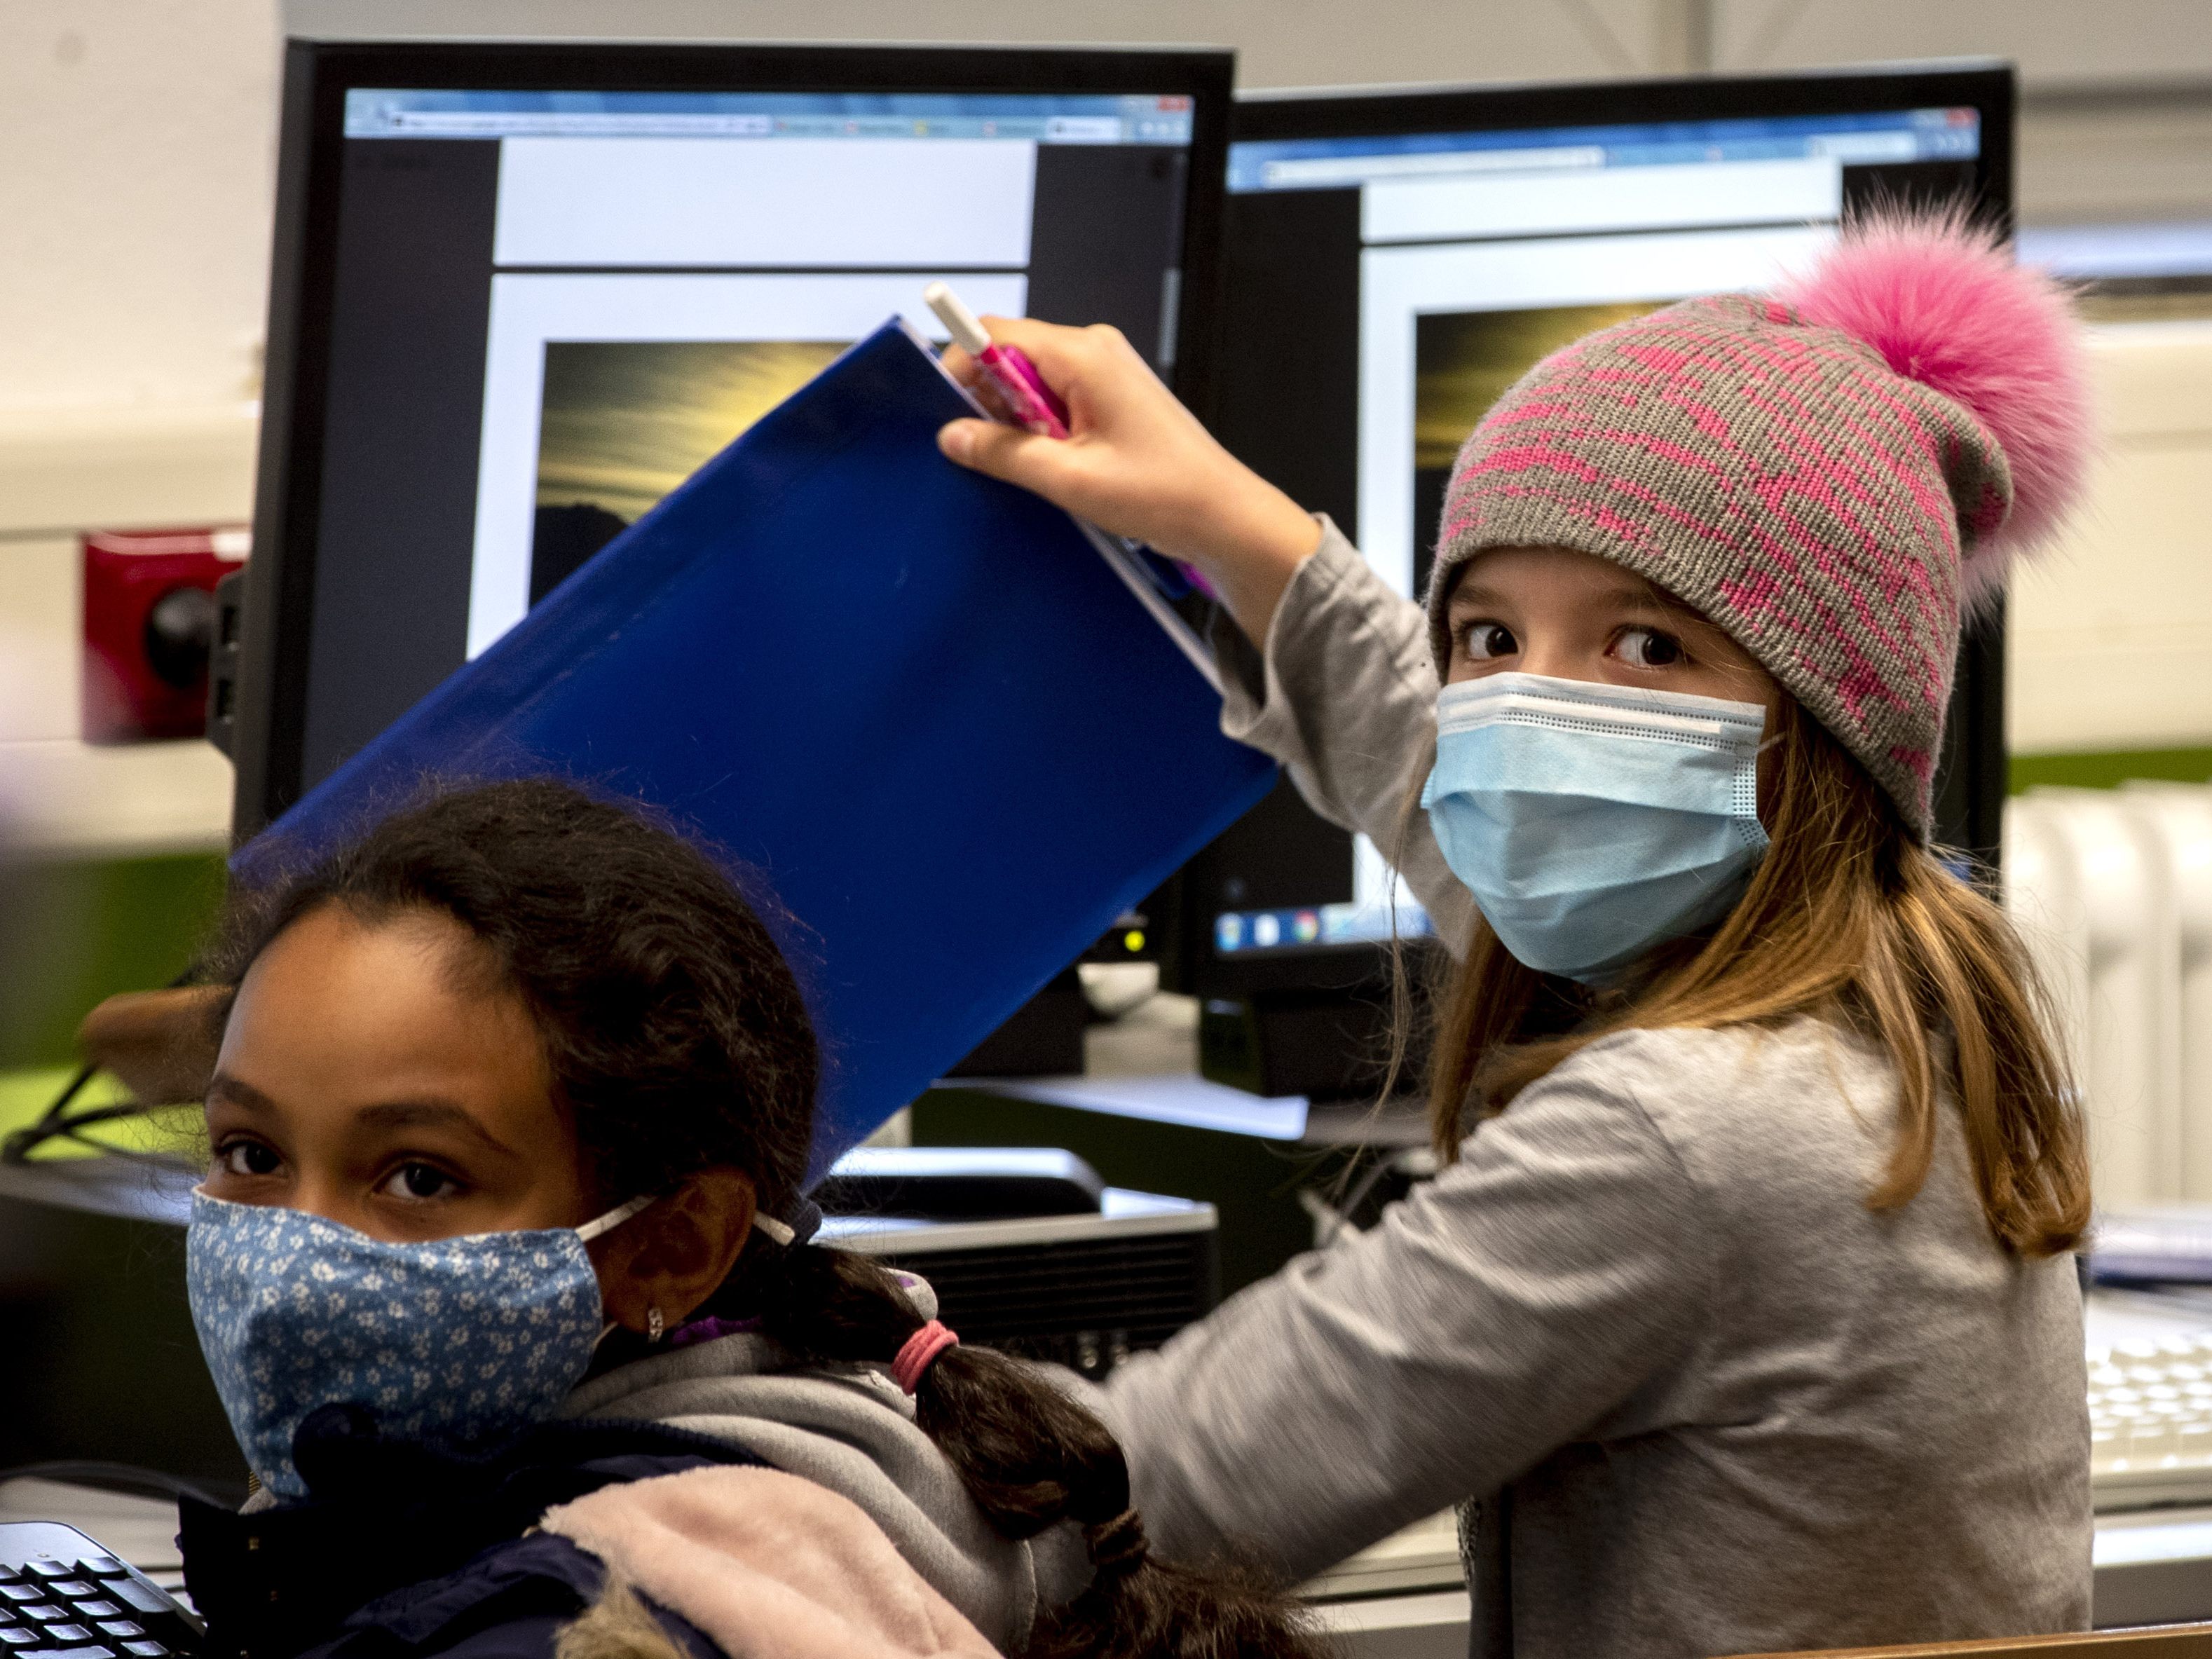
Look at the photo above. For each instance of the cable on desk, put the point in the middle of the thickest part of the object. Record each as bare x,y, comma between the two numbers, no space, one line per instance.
58,1122
18,1146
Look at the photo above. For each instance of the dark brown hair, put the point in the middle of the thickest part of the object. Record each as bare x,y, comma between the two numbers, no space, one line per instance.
676,1035
1849,918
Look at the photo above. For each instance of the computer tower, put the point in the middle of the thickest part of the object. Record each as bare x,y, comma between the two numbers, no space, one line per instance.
1080,1290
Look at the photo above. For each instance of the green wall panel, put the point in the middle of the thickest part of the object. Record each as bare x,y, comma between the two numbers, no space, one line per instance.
2103,771
72,932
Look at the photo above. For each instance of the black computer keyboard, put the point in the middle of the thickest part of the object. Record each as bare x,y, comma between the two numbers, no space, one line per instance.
61,1596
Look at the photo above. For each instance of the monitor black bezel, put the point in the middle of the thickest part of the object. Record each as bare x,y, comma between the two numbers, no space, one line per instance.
1971,797
1988,85
273,667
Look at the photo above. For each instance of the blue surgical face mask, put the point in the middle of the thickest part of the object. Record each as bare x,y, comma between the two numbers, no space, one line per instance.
1591,822
448,1341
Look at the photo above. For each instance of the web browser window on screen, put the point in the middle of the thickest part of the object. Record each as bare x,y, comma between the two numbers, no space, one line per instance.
1457,260
601,290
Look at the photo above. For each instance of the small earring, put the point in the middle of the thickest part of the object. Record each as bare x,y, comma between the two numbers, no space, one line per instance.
653,1323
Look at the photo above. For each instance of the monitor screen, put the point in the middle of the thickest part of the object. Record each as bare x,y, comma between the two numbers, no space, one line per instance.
1395,261
532,295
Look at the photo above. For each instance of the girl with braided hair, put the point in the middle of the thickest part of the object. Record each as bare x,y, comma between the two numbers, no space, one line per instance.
504,1275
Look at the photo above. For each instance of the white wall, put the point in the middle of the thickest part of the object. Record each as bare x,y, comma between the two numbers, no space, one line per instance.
2055,42
137,146
1279,42
1316,42
2110,631
137,153
2106,155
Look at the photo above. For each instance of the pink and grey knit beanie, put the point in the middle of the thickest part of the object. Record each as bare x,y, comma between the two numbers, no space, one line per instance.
1832,474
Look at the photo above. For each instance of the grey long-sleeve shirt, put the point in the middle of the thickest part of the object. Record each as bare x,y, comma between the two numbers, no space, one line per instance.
1734,1410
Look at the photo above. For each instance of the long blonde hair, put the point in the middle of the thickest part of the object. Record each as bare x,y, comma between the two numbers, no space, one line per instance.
1849,918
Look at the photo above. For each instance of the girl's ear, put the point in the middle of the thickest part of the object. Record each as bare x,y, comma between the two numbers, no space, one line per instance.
675,1254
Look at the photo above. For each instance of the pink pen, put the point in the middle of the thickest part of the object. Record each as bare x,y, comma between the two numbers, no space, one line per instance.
1028,399
1034,409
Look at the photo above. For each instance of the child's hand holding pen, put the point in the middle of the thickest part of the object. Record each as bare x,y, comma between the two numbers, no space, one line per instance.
1136,462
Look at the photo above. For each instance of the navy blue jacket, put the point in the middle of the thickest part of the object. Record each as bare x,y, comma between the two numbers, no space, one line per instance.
401,1551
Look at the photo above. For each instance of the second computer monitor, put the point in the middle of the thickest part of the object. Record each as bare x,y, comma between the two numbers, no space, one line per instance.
1395,261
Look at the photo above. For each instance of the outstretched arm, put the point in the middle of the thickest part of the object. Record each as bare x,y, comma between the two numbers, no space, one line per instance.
1139,464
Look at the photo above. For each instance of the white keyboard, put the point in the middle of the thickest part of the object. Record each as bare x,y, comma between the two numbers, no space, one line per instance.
2151,1423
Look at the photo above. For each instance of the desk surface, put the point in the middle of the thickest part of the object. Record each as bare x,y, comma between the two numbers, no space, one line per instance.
1403,1599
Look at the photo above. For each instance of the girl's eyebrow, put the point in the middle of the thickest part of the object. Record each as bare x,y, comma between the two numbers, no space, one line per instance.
1660,599
238,1093
395,1115
1627,589
432,1115
1475,595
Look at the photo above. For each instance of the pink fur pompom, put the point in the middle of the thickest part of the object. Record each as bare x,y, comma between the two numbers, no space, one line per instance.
1944,304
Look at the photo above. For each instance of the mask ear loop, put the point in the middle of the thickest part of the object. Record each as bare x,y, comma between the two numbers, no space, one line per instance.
782,1232
614,1217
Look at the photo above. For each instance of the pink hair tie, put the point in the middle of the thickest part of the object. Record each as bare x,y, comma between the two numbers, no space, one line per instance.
919,1351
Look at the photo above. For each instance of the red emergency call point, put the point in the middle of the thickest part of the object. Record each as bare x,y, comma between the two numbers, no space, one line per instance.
150,619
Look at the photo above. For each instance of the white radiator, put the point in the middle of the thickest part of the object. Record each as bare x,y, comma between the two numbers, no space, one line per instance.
2112,891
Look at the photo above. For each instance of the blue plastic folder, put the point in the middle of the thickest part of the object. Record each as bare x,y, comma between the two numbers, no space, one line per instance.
956,733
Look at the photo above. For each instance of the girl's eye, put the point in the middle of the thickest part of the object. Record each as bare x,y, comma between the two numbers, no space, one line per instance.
248,1157
1485,639
418,1181
1647,648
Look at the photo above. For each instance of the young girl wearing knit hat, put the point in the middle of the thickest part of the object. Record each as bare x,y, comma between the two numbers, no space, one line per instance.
1741,1316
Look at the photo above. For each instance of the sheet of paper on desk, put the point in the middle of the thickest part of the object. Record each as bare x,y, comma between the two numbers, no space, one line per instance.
951,737
1193,1102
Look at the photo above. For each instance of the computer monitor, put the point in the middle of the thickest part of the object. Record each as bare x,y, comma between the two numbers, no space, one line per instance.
519,291
1396,259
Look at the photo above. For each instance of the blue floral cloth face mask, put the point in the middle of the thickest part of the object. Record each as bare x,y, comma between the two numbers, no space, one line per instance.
1592,821
446,1340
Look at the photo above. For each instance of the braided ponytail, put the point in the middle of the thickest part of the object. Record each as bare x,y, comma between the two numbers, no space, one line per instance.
1031,1458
